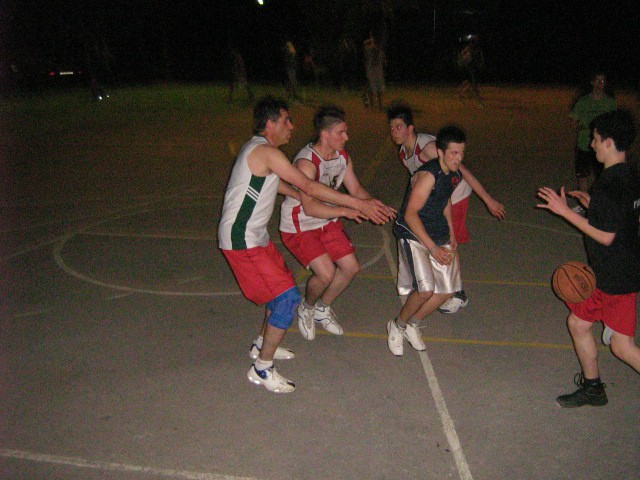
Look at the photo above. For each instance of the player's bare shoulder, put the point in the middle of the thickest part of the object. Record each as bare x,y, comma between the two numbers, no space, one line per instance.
262,158
421,176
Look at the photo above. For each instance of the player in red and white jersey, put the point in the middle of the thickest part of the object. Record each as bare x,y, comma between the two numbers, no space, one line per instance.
312,230
410,153
330,172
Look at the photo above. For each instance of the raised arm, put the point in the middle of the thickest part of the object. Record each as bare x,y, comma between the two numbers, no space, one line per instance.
558,205
495,207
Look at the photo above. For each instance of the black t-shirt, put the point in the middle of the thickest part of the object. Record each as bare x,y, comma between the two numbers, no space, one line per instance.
615,207
432,213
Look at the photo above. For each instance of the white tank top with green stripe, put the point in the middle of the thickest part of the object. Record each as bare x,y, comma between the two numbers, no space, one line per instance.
248,204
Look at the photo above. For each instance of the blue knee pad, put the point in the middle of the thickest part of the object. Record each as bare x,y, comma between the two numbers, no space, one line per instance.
283,308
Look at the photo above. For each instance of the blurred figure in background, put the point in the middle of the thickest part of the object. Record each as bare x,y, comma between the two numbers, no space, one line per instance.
584,111
471,61
375,61
239,76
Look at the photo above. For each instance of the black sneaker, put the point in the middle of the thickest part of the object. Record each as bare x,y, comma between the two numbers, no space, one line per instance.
593,395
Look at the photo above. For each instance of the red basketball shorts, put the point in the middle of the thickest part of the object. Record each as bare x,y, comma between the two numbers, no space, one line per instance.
307,246
261,272
617,312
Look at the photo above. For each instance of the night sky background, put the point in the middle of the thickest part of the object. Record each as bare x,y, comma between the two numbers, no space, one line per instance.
545,42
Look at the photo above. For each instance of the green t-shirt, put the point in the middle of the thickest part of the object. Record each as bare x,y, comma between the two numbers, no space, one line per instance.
585,110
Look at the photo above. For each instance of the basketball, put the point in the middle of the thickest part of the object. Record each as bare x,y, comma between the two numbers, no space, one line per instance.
574,282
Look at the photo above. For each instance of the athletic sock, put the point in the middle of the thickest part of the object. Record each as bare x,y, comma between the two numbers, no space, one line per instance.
321,304
400,323
262,364
592,382
414,321
307,306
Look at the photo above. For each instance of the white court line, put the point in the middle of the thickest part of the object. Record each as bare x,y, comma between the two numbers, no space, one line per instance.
42,311
447,422
445,418
101,219
114,467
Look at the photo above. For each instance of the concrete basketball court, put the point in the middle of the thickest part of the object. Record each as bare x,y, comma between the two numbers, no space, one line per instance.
125,339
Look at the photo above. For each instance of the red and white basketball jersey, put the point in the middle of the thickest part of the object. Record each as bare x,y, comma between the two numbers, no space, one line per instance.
411,160
329,172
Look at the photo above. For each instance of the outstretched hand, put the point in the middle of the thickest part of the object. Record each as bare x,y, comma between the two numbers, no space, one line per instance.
556,203
376,211
497,209
355,215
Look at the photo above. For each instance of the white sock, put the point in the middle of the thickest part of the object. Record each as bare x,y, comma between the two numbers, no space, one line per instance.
262,364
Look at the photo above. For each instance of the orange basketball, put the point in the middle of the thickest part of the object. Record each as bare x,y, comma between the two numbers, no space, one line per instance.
574,282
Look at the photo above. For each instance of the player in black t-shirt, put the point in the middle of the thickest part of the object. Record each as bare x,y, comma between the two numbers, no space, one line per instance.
613,250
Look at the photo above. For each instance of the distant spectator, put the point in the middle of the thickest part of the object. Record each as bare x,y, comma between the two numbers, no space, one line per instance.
347,63
310,67
587,108
290,60
239,76
470,61
375,61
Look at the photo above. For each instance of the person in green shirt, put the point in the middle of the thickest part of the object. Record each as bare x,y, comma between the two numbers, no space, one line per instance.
585,110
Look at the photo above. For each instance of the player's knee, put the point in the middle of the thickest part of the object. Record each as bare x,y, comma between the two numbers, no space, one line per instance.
283,308
325,274
617,348
424,296
352,269
577,325
622,346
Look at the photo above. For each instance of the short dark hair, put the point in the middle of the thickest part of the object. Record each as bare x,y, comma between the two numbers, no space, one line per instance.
617,125
450,134
402,112
268,108
326,117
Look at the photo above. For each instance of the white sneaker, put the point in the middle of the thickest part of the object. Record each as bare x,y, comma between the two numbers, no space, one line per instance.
305,322
281,353
412,334
454,304
395,339
272,380
606,335
325,317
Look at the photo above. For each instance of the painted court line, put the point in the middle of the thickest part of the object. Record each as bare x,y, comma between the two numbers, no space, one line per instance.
447,422
114,467
436,392
461,341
